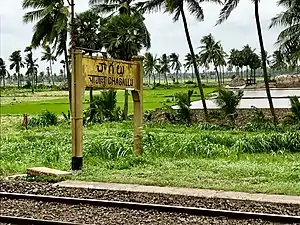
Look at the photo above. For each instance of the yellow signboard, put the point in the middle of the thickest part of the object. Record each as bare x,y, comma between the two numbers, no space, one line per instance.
109,73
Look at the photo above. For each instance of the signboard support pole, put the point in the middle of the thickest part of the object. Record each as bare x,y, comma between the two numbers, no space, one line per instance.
137,97
77,89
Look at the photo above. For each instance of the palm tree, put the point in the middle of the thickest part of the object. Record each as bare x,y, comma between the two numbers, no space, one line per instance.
278,61
129,8
17,64
123,37
51,27
211,52
177,8
175,64
50,58
164,66
3,72
254,64
31,65
87,32
289,37
150,65
229,6
189,64
42,76
63,62
233,59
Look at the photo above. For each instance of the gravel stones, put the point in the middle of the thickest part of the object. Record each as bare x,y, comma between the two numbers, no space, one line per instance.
102,215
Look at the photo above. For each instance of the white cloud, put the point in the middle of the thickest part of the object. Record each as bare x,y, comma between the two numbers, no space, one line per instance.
167,37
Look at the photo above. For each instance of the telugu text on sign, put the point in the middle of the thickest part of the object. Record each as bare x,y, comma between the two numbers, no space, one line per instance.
109,73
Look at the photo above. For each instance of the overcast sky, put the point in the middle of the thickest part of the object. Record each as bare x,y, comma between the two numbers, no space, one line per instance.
167,37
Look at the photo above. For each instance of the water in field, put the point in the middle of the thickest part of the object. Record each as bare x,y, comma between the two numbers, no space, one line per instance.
258,99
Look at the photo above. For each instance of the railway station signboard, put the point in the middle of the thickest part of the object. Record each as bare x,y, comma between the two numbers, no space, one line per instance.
90,71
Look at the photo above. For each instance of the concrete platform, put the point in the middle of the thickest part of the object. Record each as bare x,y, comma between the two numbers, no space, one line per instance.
183,191
46,171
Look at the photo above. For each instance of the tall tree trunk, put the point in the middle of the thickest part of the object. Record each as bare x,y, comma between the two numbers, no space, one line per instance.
51,72
125,112
69,76
19,79
166,79
218,76
159,78
264,61
188,38
91,92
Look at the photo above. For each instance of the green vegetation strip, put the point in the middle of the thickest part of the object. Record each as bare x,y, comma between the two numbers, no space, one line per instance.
173,155
153,98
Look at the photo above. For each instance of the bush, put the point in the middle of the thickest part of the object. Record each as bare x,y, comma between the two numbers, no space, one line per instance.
189,82
44,119
103,108
295,107
228,101
184,102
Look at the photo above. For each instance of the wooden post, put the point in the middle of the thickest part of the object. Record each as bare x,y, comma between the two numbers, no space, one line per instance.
77,89
137,96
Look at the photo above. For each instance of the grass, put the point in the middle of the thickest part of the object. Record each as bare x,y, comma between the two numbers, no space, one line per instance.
173,156
57,102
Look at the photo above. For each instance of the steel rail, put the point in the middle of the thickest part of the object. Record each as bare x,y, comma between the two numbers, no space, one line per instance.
23,220
278,218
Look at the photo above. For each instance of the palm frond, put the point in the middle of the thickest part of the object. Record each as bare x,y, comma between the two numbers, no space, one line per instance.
229,6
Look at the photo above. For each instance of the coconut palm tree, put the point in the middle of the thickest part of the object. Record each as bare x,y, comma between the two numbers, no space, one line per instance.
229,6
175,64
51,27
87,32
278,61
42,76
177,8
17,64
123,7
3,72
150,66
189,64
234,59
63,62
47,55
254,64
165,66
211,52
123,37
289,37
31,66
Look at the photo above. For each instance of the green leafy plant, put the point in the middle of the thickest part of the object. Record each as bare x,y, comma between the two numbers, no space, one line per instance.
184,102
103,108
295,107
44,119
228,101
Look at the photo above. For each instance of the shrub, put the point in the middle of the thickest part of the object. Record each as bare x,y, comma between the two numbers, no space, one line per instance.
103,108
228,101
46,118
189,82
295,107
184,102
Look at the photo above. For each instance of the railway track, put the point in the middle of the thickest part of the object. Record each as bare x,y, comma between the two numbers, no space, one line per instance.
194,211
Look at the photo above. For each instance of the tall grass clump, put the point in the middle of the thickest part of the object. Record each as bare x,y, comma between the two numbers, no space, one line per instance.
44,119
